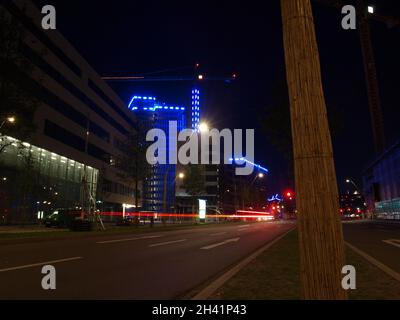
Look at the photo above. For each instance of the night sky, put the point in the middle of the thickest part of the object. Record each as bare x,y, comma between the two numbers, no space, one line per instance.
134,37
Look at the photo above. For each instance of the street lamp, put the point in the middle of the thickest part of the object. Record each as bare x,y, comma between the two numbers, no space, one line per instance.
352,182
10,119
203,127
181,175
260,175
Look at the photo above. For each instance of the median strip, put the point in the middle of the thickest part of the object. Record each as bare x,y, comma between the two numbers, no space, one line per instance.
40,264
206,292
165,243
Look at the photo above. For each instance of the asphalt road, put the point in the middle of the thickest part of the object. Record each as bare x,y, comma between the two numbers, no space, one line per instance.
379,240
159,265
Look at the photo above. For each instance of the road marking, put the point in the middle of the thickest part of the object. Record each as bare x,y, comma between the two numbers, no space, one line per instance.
393,242
165,243
375,262
128,239
206,292
220,243
40,264
217,234
244,226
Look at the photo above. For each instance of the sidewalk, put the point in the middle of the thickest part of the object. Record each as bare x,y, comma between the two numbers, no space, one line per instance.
275,275
26,229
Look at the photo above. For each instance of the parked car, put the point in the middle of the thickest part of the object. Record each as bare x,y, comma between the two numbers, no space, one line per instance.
62,218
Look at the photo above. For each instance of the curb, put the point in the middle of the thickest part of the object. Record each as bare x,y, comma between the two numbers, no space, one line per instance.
206,292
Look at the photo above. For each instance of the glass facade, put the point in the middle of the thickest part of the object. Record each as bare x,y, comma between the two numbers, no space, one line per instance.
40,180
382,184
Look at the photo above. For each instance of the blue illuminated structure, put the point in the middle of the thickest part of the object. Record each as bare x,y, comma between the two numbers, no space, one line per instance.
242,160
274,198
153,114
195,116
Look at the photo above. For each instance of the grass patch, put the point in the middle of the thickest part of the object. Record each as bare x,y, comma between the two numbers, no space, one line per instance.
275,275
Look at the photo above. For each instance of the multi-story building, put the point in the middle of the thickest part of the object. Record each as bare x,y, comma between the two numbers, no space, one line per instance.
159,186
381,183
80,122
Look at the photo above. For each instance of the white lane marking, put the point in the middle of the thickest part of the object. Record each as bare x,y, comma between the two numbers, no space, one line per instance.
244,226
165,243
375,262
393,242
128,239
217,234
40,264
219,282
219,244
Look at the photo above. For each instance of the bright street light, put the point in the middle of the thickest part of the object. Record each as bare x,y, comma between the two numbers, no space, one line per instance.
370,9
11,119
261,175
354,184
181,175
203,127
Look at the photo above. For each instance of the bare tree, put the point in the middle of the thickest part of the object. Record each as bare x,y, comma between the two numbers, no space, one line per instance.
132,160
15,98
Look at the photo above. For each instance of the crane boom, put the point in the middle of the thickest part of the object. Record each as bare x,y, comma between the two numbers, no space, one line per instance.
371,78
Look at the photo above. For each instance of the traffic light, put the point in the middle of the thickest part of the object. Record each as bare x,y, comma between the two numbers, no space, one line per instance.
288,194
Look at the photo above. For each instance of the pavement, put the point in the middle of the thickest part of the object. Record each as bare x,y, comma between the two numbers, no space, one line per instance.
379,239
157,265
26,229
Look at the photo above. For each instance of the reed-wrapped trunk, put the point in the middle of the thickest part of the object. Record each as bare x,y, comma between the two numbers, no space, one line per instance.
320,231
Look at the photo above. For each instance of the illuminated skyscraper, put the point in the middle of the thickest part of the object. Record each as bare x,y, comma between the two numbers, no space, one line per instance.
161,181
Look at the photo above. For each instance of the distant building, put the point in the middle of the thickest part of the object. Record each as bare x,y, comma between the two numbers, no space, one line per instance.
80,123
381,182
159,187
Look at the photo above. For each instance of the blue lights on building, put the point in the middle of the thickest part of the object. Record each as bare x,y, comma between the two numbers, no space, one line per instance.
275,197
154,114
195,116
242,160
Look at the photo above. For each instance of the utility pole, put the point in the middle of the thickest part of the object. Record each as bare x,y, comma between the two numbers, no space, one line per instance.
320,231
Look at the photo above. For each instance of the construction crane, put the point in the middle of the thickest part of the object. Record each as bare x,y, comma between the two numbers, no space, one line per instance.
364,14
150,76
155,77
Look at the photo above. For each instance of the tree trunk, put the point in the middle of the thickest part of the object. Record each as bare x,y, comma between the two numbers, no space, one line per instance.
320,230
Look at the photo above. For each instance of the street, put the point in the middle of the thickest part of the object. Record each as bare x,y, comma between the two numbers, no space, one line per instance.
377,239
159,265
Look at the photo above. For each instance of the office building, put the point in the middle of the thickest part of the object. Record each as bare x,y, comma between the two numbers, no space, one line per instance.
80,123
159,186
381,181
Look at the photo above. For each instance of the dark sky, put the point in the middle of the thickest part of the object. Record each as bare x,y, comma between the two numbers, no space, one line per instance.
135,37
